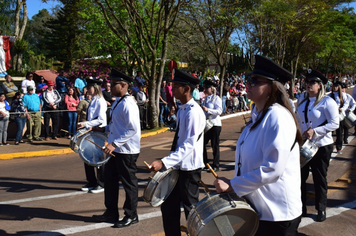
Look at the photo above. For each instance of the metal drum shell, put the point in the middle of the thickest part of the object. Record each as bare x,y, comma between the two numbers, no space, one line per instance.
307,152
75,140
98,157
159,178
200,220
350,120
209,124
342,116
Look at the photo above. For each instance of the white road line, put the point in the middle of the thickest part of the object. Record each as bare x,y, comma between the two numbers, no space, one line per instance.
42,198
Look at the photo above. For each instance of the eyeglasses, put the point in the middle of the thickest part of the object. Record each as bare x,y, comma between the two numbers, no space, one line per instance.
253,81
311,82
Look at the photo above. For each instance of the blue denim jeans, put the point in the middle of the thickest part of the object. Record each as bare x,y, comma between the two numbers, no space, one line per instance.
223,104
20,123
4,122
72,122
163,112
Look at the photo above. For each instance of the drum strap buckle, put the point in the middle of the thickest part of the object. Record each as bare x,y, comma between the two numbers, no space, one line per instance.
232,202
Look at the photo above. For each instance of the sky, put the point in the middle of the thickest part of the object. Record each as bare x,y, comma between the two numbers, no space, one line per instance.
33,6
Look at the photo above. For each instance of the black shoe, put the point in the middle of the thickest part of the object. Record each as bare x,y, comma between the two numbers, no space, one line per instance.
321,216
214,169
346,142
88,187
126,221
105,218
38,139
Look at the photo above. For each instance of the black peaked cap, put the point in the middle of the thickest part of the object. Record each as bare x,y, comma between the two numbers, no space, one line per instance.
91,81
268,69
184,78
120,76
316,75
209,83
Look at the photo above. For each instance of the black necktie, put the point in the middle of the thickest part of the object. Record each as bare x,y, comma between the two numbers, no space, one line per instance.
306,112
175,140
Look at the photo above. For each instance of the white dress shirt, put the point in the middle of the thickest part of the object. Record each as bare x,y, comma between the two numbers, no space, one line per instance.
337,100
351,102
96,112
326,110
214,105
124,128
189,152
270,170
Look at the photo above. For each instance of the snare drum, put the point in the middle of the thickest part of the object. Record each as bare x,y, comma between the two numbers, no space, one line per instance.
160,186
342,116
74,141
350,120
222,214
89,152
209,124
307,152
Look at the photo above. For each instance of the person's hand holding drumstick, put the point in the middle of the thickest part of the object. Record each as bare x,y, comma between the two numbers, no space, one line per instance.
222,184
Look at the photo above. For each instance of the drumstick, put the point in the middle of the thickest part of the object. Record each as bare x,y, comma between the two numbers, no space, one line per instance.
212,171
148,166
84,133
206,187
98,146
66,131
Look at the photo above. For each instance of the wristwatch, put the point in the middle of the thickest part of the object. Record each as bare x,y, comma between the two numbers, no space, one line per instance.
114,145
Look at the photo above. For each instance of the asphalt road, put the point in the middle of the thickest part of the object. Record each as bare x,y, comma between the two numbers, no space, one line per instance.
41,195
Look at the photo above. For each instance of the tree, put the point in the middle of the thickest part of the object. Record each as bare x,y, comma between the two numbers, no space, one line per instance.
19,27
144,27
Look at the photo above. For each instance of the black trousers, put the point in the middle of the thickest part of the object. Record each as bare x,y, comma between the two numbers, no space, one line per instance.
90,174
54,115
319,167
346,131
213,135
143,115
186,192
121,167
338,141
278,228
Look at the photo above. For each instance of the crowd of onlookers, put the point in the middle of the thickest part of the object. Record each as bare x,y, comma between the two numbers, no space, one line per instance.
59,105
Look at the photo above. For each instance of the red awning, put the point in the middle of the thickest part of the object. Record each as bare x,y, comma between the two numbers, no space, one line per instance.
49,75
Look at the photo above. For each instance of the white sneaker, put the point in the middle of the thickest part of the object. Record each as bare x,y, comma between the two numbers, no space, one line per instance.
87,187
97,189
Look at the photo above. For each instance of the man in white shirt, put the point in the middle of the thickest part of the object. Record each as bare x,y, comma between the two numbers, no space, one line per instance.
51,98
186,154
124,142
28,82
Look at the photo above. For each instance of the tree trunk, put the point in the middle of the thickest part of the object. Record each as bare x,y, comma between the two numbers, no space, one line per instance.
19,32
19,61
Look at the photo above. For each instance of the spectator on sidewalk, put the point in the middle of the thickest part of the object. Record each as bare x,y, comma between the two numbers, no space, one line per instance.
28,82
72,102
80,83
9,88
41,86
4,119
142,100
33,108
163,104
82,108
109,98
20,116
51,100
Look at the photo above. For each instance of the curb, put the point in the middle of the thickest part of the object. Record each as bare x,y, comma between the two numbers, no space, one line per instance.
60,151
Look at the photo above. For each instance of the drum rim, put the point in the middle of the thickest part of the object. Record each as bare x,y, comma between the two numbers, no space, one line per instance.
80,150
153,183
242,204
74,145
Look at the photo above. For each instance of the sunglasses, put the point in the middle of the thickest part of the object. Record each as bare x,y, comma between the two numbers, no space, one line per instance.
253,81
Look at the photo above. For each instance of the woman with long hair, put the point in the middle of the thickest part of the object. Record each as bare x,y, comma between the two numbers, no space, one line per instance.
72,101
318,116
343,104
96,117
267,160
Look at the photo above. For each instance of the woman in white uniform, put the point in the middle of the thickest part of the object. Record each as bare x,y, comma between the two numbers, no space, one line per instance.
267,165
351,108
343,104
318,116
212,107
96,117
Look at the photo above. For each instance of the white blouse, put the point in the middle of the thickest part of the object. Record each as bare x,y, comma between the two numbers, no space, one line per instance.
96,112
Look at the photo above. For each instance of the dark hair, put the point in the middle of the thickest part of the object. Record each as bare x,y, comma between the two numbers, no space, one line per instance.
279,95
17,94
75,96
29,73
2,94
7,76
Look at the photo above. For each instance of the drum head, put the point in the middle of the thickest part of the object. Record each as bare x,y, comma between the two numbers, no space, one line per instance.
164,187
76,139
89,152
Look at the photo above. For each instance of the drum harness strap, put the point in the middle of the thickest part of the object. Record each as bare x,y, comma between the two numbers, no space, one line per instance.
112,110
175,140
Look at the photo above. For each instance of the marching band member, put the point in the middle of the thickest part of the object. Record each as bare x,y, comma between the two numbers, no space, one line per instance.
267,165
96,116
351,108
342,102
124,142
186,154
212,106
318,116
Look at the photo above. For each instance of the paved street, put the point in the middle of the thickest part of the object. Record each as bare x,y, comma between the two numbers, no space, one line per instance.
41,195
